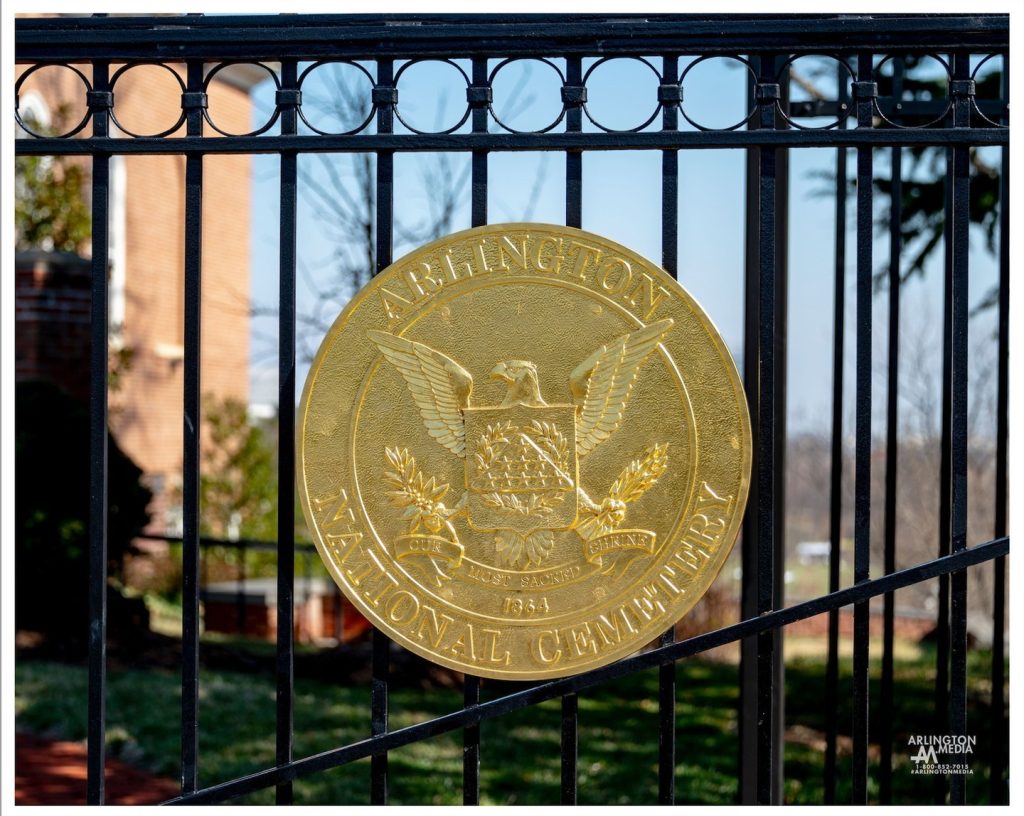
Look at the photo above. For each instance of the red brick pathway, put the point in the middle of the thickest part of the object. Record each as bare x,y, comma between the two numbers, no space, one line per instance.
53,773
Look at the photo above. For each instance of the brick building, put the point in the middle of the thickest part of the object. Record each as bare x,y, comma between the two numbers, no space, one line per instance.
146,273
52,312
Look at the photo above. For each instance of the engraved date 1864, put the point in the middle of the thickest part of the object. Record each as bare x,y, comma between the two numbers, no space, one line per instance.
516,607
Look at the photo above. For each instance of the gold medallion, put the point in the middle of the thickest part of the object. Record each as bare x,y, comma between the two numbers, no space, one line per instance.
524,451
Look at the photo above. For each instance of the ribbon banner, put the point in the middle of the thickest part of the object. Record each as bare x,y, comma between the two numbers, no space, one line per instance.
429,546
615,550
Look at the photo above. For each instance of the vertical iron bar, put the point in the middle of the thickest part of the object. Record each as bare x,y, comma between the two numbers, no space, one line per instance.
570,747
779,505
891,453
190,466
574,159
471,683
748,710
379,716
836,465
997,762
479,168
939,781
471,744
767,438
670,177
96,785
667,726
384,221
670,262
862,479
573,218
285,664
958,534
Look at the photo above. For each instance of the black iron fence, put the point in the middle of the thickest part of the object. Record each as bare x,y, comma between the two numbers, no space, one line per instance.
867,114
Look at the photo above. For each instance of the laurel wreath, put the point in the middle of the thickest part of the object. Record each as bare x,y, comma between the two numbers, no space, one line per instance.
540,504
548,438
489,445
552,440
410,490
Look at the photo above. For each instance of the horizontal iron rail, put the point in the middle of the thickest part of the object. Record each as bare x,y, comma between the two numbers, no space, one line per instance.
894,108
468,35
657,140
556,688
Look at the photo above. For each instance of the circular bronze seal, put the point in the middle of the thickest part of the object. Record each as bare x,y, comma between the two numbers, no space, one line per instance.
524,451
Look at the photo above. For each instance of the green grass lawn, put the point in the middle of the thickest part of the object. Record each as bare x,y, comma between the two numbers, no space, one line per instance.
618,733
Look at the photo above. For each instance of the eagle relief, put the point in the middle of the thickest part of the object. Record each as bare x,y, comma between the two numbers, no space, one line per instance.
522,456
523,451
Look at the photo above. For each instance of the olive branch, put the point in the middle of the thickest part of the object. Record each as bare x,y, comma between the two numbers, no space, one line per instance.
637,478
419,496
640,475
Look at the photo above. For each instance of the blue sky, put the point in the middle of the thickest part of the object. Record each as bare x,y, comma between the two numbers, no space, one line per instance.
622,200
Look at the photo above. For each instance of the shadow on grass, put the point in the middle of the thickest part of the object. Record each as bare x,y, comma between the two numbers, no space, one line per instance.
618,733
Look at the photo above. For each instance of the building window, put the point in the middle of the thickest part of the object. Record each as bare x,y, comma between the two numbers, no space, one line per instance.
34,112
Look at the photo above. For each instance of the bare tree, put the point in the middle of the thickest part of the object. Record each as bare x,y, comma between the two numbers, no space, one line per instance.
918,468
341,192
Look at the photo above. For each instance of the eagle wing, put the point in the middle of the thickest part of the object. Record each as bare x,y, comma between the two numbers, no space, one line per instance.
439,385
602,383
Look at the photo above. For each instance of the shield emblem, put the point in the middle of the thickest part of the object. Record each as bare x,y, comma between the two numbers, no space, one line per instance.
521,468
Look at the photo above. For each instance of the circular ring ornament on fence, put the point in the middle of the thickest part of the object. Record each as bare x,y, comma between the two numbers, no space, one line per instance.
346,97
880,74
801,83
608,63
225,66
406,120
702,63
495,83
524,451
151,103
976,75
25,126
